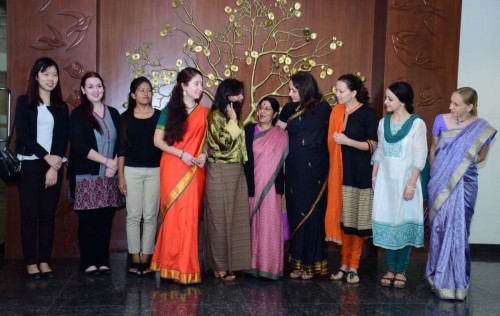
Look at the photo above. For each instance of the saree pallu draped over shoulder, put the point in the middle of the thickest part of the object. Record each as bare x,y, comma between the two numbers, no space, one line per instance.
270,149
452,196
181,195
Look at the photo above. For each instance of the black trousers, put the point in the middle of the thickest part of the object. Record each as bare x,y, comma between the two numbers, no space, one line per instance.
94,234
38,208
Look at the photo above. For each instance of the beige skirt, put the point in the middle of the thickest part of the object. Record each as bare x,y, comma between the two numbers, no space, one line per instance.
226,219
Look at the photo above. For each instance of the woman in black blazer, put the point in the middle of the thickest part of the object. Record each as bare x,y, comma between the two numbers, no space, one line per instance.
42,138
93,134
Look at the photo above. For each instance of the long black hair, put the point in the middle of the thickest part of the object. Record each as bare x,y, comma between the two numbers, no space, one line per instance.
354,83
177,116
40,65
227,88
308,90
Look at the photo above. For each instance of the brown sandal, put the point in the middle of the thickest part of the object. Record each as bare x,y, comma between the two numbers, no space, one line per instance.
225,276
386,281
398,282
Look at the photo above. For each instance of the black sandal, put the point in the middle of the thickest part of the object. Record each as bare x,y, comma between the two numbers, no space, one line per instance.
145,268
135,268
334,276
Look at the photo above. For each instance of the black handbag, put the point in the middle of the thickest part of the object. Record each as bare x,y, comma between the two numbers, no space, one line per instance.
10,166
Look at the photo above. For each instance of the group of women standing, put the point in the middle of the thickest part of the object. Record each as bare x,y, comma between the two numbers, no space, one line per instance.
344,179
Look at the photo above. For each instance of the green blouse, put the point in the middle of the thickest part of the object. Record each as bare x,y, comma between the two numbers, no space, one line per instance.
225,139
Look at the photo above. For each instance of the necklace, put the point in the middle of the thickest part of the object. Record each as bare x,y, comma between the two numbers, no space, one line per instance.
191,107
460,121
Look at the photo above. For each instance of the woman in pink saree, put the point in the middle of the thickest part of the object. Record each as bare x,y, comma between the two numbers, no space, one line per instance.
267,148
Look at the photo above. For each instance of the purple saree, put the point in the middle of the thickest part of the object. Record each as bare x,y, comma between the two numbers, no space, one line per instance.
452,196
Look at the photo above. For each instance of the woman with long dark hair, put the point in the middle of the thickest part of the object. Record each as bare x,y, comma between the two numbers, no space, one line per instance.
226,201
306,172
138,173
180,134
352,138
42,139
93,133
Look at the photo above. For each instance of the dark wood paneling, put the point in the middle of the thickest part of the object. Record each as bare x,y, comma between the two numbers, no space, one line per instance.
422,44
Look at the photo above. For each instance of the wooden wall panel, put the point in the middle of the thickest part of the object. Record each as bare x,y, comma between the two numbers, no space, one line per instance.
367,29
422,44
66,31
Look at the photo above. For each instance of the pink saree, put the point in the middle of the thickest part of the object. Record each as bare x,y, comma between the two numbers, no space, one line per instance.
270,149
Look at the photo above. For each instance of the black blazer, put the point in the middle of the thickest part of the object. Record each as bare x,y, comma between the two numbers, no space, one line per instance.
82,140
26,125
279,182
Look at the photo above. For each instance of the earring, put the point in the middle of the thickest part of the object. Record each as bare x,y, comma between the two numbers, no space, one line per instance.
184,92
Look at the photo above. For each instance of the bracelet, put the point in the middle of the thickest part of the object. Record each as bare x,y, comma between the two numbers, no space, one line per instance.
182,153
374,178
412,189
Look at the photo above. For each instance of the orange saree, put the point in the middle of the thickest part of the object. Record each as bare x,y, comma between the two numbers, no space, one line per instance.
181,193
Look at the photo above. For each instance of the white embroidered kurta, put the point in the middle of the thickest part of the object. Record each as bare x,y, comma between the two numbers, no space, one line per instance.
396,222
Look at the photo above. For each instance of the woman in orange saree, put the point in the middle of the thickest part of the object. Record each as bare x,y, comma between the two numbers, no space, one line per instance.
180,134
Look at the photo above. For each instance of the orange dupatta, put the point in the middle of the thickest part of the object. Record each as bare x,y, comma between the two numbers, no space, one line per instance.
335,177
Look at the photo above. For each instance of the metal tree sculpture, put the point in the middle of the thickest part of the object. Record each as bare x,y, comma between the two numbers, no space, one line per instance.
253,39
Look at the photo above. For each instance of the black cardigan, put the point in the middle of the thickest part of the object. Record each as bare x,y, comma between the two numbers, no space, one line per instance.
82,140
26,126
279,182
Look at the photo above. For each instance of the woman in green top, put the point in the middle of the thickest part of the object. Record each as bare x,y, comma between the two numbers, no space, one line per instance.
226,216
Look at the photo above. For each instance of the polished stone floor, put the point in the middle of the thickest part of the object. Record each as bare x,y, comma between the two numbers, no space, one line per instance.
72,293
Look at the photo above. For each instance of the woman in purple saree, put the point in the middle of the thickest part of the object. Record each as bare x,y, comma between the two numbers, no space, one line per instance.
267,148
460,141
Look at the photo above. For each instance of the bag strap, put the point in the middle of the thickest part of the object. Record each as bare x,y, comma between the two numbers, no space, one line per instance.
9,138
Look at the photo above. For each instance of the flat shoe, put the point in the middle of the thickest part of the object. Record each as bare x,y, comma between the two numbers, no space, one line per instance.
33,276
307,276
104,270
48,275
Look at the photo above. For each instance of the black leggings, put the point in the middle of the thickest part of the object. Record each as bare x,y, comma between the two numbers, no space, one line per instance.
94,234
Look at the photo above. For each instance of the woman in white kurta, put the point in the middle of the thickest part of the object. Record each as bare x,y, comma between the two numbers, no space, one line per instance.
398,217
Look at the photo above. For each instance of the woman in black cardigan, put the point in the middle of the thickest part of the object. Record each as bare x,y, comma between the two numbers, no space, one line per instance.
42,138
93,134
